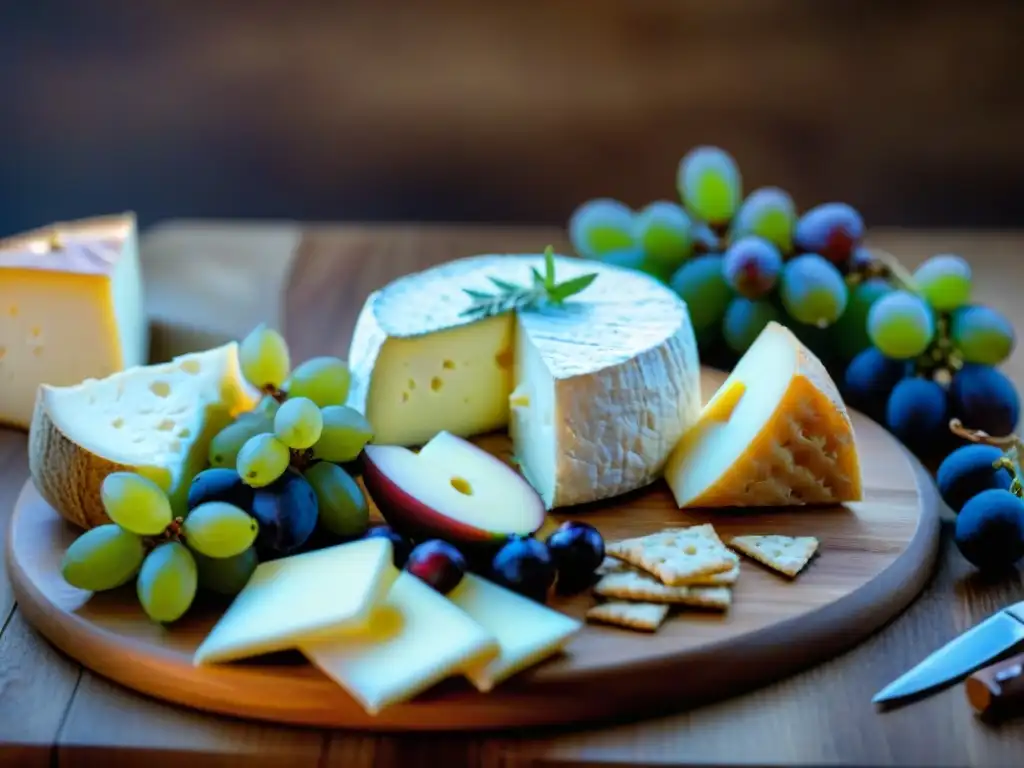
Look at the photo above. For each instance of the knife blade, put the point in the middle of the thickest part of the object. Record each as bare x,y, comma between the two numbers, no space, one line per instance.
975,648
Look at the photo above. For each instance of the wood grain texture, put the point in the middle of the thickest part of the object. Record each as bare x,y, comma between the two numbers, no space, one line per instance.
821,716
874,557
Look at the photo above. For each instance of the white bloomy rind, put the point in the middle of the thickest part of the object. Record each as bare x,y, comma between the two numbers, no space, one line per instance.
595,392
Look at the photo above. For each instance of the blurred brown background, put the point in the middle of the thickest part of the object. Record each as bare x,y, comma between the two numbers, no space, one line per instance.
476,110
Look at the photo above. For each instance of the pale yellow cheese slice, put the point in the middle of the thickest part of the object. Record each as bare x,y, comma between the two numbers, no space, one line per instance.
415,639
775,433
71,308
527,632
288,601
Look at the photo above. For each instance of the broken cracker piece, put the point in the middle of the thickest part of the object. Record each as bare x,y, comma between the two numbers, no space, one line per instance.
634,585
646,617
676,555
785,554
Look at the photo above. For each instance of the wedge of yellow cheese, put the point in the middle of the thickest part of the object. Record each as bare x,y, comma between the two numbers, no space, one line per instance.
775,434
328,592
71,308
156,420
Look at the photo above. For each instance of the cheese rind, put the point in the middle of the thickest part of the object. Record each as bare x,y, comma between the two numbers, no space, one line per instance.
595,392
329,592
414,639
154,420
775,434
527,632
70,309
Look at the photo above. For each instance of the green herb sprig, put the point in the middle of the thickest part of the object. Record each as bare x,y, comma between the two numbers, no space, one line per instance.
544,290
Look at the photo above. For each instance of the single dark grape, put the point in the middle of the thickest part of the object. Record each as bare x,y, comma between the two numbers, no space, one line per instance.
917,412
983,398
437,563
990,530
832,230
968,471
401,547
524,565
577,549
287,512
219,484
869,380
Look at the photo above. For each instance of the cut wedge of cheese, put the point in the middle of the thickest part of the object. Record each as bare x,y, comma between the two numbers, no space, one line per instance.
776,433
70,309
155,420
595,393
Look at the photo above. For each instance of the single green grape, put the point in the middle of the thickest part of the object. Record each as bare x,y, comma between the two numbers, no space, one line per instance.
710,185
298,423
982,335
167,582
601,226
102,558
851,329
813,290
226,575
219,529
136,503
262,460
345,433
901,325
944,281
768,213
701,283
263,355
324,380
662,231
226,444
342,506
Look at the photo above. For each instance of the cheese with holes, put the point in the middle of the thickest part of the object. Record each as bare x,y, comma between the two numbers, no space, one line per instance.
776,433
329,592
527,632
595,393
70,309
156,420
415,639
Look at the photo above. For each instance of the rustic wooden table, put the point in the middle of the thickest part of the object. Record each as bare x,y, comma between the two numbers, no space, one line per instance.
53,711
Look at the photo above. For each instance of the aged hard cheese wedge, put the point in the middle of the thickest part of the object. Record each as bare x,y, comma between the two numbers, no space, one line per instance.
527,632
155,420
70,309
414,639
329,592
595,393
775,433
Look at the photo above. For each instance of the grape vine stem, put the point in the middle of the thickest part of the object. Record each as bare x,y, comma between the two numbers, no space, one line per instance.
899,273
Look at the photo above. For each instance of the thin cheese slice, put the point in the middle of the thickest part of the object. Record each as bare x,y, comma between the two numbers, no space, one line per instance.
70,309
527,632
595,393
776,433
415,639
288,601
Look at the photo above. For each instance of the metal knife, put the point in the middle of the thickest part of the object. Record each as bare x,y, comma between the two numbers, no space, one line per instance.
975,648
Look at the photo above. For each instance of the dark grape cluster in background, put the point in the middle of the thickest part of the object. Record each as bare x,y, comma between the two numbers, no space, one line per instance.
913,351
910,350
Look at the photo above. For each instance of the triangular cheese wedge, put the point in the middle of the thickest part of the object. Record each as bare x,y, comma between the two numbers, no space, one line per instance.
776,433
70,308
156,420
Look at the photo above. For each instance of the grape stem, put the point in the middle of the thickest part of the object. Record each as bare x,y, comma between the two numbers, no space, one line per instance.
900,274
301,460
278,394
1011,444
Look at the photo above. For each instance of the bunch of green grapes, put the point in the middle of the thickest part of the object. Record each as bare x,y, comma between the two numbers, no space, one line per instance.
299,434
169,558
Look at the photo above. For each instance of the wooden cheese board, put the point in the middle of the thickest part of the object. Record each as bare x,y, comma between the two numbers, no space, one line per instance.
874,558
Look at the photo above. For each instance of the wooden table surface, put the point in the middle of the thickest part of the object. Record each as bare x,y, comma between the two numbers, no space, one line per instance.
53,711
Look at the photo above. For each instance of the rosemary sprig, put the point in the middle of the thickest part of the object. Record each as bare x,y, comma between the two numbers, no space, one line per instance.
545,289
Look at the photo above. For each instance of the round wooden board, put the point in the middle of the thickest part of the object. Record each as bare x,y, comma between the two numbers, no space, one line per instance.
874,558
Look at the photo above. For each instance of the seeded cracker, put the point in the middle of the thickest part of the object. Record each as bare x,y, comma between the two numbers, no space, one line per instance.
785,554
634,585
646,617
676,555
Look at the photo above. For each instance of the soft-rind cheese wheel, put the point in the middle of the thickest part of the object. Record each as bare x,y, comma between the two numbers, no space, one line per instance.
776,433
595,393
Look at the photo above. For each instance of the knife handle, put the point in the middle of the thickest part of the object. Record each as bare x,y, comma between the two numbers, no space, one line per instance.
997,690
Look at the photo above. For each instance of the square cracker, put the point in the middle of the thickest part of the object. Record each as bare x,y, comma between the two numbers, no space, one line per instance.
785,554
634,585
646,617
676,555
